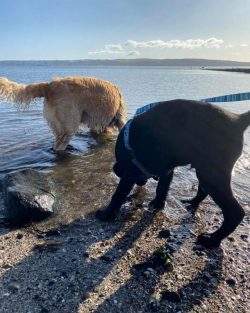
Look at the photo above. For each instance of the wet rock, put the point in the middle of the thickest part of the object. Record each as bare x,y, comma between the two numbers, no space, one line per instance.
27,197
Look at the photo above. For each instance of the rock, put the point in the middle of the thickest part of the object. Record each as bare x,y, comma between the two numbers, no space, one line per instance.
106,258
231,282
86,254
50,245
19,236
244,237
14,286
171,296
27,197
164,233
155,297
147,273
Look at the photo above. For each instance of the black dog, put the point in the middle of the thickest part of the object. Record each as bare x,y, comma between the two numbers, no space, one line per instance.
176,133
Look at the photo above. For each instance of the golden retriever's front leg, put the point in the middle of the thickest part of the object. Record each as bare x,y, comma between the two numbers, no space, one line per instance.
108,130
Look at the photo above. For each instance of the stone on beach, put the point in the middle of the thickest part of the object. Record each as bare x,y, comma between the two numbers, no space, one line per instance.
27,196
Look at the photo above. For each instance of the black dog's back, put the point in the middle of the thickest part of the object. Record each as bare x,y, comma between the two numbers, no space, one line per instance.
191,132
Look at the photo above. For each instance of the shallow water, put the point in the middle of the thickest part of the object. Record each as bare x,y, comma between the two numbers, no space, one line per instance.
26,141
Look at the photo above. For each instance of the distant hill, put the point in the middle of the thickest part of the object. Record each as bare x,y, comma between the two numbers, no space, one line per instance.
132,62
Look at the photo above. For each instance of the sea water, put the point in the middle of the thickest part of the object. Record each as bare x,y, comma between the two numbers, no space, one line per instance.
26,141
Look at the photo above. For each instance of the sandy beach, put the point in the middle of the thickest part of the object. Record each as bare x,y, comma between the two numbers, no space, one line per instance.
75,263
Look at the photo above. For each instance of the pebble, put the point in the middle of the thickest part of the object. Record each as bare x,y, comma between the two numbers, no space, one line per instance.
171,296
150,269
244,237
19,236
164,233
86,295
14,286
106,258
231,282
147,273
130,252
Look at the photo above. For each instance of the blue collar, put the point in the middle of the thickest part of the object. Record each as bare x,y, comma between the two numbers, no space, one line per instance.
139,111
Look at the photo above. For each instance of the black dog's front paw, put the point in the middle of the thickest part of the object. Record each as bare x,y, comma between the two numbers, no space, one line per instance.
105,214
208,241
156,205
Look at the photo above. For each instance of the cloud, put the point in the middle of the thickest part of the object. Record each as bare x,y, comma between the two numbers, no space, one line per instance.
133,53
122,49
113,47
186,44
244,45
109,49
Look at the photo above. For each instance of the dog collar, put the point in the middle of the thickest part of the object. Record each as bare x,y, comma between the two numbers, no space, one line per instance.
139,111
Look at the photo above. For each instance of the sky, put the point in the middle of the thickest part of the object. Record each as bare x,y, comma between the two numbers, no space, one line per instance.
114,29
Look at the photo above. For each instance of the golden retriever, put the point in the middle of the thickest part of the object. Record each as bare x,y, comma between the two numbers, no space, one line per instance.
70,101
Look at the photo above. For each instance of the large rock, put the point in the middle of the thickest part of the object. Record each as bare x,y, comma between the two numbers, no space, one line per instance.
27,196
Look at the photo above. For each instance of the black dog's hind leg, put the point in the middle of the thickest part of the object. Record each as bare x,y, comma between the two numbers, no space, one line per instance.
195,202
161,191
123,189
233,213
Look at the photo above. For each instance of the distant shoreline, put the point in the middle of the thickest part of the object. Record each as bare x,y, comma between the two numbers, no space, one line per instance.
237,70
203,63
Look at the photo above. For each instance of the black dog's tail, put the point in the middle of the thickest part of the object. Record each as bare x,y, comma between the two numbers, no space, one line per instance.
244,120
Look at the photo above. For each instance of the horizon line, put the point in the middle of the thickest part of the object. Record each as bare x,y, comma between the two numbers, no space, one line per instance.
121,59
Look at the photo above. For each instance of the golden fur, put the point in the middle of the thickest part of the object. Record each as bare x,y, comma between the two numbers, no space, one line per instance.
70,101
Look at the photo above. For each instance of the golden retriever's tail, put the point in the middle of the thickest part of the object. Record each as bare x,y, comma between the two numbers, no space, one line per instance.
120,118
21,94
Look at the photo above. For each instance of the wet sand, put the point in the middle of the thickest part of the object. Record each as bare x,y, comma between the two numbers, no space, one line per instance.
75,263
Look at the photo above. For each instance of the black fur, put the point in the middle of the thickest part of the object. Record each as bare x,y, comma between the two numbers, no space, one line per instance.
176,133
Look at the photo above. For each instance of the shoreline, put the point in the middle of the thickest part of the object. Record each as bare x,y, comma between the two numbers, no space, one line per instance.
236,70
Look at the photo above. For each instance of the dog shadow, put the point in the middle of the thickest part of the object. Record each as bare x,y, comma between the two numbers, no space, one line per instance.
192,293
58,278
67,277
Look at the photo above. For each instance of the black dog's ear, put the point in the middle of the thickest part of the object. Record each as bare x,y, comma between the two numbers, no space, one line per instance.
117,170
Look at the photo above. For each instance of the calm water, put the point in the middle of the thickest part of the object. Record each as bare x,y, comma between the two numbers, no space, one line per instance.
26,141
